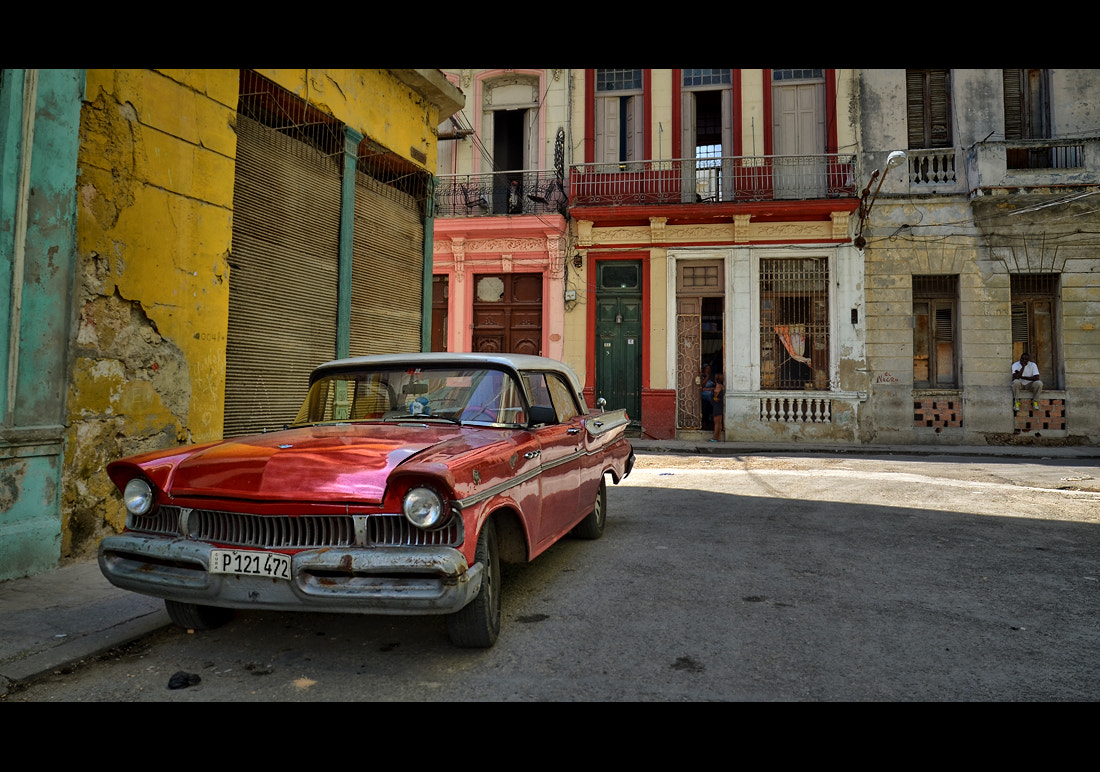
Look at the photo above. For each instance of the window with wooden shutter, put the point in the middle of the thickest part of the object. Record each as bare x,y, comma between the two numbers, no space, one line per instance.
928,108
619,106
935,362
1035,324
1027,116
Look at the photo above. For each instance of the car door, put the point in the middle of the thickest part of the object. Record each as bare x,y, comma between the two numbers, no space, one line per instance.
561,454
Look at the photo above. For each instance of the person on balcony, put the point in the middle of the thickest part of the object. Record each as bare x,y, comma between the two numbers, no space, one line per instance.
1025,376
515,201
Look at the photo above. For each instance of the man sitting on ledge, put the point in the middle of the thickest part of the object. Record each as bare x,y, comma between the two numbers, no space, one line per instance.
1025,375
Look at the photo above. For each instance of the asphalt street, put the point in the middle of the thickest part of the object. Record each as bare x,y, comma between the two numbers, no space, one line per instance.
52,621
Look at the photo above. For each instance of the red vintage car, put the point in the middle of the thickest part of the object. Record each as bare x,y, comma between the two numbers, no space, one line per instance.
398,489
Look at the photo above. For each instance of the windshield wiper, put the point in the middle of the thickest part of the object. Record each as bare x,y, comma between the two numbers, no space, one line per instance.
424,417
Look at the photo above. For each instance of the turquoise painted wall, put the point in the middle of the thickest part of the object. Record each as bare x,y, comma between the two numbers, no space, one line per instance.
39,137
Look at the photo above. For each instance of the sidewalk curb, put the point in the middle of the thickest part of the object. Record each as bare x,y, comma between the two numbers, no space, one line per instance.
56,618
705,447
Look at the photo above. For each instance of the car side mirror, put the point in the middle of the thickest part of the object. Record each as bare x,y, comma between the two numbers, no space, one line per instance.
541,415
601,403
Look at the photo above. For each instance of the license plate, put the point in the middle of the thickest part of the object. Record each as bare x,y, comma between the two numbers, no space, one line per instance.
249,563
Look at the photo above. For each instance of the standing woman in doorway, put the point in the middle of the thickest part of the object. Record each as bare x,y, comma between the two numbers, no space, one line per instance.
706,395
719,405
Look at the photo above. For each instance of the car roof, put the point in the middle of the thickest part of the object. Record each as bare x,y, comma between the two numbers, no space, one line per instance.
509,361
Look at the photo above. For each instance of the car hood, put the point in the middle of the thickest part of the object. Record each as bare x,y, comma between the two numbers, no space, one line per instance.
331,463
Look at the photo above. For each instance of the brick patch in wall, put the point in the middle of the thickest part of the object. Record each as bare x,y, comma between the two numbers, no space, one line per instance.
1050,416
939,413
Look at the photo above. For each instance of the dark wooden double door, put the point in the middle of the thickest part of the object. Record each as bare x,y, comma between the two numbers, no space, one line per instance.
507,313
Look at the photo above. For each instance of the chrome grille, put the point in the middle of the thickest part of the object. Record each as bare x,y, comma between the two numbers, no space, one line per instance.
276,532
301,532
395,529
164,522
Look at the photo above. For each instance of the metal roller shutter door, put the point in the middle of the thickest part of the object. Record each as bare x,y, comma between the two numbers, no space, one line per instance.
388,270
283,276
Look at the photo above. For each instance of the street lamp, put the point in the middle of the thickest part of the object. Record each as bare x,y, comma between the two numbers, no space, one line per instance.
896,158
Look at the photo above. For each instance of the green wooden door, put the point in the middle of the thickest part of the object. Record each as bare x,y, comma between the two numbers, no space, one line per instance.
619,337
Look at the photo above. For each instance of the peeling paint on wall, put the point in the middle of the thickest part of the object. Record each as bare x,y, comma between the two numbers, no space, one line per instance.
129,392
154,229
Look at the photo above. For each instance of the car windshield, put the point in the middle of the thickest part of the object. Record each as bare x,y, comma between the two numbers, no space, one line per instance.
461,395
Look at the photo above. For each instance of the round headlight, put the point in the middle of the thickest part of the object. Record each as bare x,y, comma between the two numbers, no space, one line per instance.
424,508
138,497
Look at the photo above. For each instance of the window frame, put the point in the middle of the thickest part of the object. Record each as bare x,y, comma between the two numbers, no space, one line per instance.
1028,293
710,176
939,293
624,100
928,108
817,341
549,389
1027,111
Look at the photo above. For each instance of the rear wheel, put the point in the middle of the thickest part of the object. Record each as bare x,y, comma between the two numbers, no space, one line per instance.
593,524
477,625
195,617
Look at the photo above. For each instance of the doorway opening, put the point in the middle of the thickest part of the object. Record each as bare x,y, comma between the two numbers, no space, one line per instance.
700,342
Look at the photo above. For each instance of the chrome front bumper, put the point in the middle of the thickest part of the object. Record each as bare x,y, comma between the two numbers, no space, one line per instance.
386,580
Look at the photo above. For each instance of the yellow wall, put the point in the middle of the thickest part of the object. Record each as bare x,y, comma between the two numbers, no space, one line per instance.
154,187
155,191
154,232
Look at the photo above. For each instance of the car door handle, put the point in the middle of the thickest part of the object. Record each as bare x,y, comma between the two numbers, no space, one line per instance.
574,431
532,454
597,424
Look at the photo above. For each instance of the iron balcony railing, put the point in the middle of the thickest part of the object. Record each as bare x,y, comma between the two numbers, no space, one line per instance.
710,180
500,193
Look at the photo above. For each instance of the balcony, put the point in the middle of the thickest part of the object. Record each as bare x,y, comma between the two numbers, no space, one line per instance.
731,179
934,171
1026,165
538,192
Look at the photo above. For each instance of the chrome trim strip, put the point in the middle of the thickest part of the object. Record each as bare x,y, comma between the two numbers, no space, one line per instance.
477,498
481,496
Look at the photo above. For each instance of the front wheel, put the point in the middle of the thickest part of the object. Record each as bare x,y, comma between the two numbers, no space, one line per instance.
195,617
477,625
593,524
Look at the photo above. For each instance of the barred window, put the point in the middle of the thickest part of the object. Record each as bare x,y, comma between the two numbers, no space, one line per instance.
794,323
934,331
